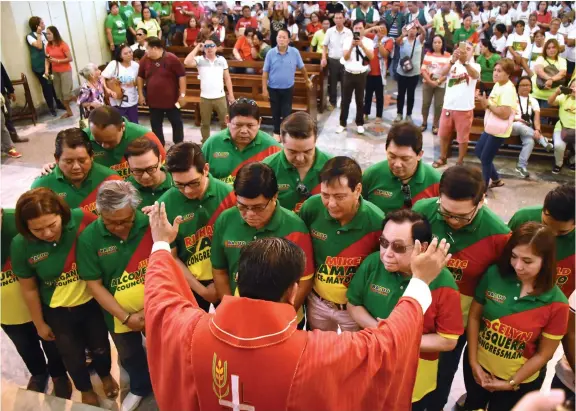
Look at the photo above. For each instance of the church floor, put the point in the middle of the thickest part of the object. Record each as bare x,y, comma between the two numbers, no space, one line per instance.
17,175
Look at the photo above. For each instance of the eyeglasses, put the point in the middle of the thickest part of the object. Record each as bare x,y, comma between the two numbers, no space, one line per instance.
148,170
466,218
396,247
407,195
243,208
191,184
244,100
303,191
209,46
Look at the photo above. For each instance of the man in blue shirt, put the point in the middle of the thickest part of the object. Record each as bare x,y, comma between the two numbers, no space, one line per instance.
278,78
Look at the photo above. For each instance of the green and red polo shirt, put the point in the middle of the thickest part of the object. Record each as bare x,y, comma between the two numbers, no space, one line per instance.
288,178
384,189
150,195
13,308
194,240
511,325
378,291
474,247
54,264
120,264
339,250
114,157
83,197
226,159
565,245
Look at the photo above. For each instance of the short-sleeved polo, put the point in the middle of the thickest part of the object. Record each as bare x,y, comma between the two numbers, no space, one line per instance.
339,250
211,74
565,246
83,197
511,325
152,194
120,264
54,264
384,189
226,159
289,179
194,240
281,67
474,247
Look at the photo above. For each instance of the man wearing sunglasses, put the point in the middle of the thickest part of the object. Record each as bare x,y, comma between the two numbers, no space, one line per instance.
297,166
403,178
146,171
381,281
241,143
477,237
140,44
257,215
199,199
345,229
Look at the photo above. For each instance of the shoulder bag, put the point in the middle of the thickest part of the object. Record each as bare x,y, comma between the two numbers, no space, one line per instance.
115,85
550,70
568,135
495,125
406,62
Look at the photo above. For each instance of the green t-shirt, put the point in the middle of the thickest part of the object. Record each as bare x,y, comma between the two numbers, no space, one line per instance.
565,246
194,240
114,157
566,112
461,34
339,250
165,11
487,66
157,7
384,189
474,247
54,264
83,197
150,195
14,310
318,41
134,19
232,233
226,159
118,26
511,325
126,12
121,265
289,179
560,64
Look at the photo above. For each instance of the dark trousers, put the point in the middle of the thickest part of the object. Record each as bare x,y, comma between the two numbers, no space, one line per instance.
131,113
27,342
395,61
175,118
133,359
48,91
486,149
374,85
569,69
556,383
447,367
478,398
281,105
335,75
423,404
353,83
78,328
406,86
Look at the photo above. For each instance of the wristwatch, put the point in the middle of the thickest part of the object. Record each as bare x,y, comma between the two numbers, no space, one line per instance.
466,64
182,94
515,386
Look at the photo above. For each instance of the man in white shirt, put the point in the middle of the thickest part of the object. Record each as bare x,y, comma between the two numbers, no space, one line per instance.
332,53
366,12
416,13
213,73
358,51
140,44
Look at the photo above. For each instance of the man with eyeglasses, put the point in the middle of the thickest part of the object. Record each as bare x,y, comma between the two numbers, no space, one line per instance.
147,174
297,166
257,215
403,178
477,237
557,212
198,199
380,282
241,143
112,256
75,178
345,230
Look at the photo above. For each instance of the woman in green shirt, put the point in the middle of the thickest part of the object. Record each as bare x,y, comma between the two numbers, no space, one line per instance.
466,32
487,60
44,260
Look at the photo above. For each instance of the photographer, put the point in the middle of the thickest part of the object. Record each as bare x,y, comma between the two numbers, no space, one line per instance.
358,51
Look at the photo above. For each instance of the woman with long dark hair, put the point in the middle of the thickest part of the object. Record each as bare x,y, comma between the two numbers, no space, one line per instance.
58,59
123,70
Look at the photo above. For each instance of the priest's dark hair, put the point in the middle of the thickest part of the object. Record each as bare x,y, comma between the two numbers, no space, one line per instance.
268,267
255,179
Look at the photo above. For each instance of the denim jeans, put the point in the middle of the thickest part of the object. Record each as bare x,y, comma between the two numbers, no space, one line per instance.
133,359
486,149
526,134
559,149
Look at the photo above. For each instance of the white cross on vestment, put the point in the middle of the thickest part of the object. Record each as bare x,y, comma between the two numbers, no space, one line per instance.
235,403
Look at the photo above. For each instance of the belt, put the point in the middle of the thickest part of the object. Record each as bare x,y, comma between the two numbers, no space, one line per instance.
329,303
355,72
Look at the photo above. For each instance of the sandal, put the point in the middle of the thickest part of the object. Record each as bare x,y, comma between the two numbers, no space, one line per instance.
423,127
496,183
439,163
65,115
435,130
111,387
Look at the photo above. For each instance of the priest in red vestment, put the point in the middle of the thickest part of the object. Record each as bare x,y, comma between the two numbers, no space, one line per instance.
249,356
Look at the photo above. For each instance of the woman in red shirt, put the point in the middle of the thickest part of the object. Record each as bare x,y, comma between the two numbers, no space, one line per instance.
543,17
314,25
191,32
58,57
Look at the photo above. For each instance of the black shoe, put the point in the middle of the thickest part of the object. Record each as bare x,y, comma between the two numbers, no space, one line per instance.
556,170
18,139
60,106
53,112
62,387
572,167
38,383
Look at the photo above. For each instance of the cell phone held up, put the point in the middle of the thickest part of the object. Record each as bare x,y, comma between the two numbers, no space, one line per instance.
356,35
565,90
410,25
